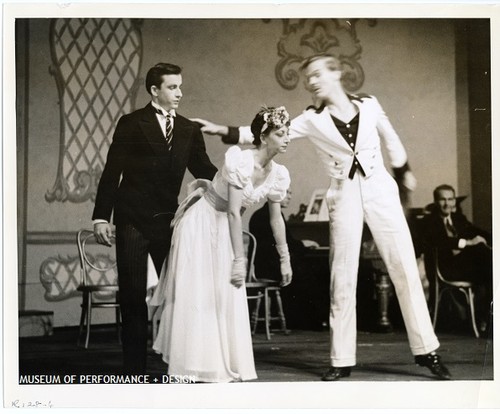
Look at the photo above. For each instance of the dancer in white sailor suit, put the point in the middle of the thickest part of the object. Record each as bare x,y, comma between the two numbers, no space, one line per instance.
347,132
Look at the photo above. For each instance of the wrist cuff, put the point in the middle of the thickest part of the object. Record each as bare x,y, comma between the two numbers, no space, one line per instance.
399,172
232,136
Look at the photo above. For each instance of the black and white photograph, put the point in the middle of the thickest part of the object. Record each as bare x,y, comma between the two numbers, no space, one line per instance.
249,206
317,209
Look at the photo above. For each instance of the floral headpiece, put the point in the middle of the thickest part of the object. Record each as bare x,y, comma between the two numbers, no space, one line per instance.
274,117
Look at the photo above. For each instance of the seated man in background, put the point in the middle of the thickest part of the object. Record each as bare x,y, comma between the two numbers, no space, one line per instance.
464,251
302,303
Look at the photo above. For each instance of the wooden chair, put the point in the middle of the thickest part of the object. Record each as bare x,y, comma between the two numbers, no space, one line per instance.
262,288
98,281
443,285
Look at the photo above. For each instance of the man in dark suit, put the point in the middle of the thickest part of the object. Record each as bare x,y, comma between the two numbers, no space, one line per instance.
140,184
464,251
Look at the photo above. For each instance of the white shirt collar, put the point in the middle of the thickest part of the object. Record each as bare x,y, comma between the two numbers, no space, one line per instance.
165,112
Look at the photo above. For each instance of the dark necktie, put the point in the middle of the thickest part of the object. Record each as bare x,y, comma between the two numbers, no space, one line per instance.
450,229
168,128
169,132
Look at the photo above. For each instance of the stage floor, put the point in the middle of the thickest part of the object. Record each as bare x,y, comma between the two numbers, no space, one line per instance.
299,356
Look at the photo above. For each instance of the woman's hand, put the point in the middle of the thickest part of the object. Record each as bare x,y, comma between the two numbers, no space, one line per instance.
286,273
239,271
285,266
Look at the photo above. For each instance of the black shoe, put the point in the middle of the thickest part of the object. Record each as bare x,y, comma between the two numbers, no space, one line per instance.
335,373
433,362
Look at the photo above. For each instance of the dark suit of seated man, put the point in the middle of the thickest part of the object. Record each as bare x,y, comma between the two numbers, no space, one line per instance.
464,251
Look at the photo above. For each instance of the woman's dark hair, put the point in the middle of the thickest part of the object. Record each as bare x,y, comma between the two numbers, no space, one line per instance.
154,76
276,118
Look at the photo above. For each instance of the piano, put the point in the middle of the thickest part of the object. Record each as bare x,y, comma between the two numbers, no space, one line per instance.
370,261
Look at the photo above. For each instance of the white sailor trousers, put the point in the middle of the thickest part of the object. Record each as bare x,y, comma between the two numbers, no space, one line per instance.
373,199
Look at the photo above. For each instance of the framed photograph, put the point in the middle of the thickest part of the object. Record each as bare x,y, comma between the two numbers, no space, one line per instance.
317,209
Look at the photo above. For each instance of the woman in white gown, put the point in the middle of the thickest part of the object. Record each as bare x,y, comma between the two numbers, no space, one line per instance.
204,327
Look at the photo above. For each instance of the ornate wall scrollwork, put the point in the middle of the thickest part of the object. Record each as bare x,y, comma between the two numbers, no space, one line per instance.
96,65
305,37
60,276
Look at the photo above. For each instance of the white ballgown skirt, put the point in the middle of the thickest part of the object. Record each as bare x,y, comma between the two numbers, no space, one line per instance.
204,328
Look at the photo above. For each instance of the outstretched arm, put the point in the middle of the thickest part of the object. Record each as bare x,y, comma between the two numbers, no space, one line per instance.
229,134
210,128
279,233
299,128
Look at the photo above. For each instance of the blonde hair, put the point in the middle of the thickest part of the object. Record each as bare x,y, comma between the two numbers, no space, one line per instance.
331,62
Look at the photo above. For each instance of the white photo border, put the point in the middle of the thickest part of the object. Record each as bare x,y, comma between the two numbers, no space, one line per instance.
344,396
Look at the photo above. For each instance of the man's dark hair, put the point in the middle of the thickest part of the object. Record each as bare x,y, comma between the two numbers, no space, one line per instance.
155,74
442,187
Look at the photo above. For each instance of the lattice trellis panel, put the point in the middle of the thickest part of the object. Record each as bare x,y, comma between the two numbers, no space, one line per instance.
60,276
96,64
